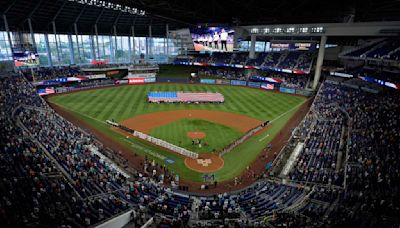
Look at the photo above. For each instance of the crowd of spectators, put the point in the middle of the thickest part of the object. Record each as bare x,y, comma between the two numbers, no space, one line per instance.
224,73
288,80
291,60
49,73
388,49
360,187
54,174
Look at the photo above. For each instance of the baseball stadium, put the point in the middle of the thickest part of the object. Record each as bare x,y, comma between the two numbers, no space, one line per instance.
146,113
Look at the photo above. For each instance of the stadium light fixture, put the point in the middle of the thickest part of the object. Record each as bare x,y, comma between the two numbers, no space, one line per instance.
112,6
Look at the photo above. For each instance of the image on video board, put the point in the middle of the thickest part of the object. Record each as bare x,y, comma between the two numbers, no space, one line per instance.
25,58
213,39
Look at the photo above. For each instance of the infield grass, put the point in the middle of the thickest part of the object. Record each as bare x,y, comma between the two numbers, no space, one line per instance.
120,103
217,136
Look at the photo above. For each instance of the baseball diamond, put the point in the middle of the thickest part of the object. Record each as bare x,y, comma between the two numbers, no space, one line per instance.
243,110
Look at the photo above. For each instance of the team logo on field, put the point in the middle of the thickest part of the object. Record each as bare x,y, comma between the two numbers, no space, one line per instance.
204,162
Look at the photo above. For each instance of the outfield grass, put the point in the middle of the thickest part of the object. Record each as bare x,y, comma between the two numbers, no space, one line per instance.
120,103
217,136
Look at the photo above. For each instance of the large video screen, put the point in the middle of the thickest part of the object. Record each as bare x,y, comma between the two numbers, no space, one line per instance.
213,39
25,58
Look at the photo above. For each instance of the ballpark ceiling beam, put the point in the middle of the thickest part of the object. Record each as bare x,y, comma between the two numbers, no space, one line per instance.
80,14
32,12
9,7
58,11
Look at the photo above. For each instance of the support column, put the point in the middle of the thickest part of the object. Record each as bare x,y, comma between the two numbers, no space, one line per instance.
320,60
150,43
46,39
97,41
252,52
8,33
134,45
71,49
116,45
92,51
167,38
77,42
55,37
31,33
129,50
111,49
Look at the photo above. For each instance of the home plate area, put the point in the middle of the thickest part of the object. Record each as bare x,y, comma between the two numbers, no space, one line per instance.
206,163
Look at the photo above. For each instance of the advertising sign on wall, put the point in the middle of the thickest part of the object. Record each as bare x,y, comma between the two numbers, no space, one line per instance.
136,81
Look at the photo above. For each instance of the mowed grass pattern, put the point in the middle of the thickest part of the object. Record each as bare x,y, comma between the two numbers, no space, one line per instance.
217,136
123,102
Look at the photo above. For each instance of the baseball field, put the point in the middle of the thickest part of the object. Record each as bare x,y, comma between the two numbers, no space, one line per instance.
216,125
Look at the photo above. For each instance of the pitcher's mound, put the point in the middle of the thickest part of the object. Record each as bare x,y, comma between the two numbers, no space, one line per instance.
206,163
196,134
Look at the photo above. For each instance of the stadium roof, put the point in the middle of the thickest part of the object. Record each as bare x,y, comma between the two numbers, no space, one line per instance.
275,11
183,13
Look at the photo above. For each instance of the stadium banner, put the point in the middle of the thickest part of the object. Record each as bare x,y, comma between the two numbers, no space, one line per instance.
46,91
298,46
267,86
95,76
200,64
140,75
222,82
380,82
304,92
150,80
136,81
254,84
287,90
120,82
280,45
238,82
300,72
286,71
340,74
304,46
62,89
225,82
207,81
265,79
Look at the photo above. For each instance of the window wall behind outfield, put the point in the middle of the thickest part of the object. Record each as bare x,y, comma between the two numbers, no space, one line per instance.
63,49
261,46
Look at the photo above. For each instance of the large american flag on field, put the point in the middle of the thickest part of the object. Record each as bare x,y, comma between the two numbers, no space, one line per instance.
185,97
